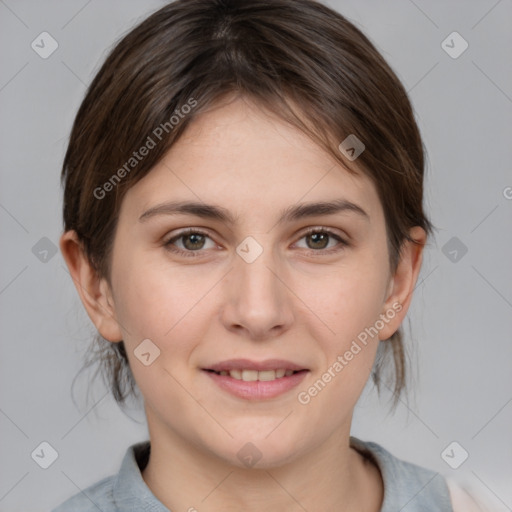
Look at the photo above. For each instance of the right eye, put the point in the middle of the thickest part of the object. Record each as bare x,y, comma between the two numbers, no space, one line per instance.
191,240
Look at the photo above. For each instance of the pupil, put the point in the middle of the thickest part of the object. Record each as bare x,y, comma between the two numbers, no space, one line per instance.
322,237
196,240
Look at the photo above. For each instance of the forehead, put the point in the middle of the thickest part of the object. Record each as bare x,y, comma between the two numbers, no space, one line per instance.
243,157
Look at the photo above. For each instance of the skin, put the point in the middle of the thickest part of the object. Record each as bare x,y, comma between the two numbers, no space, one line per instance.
295,302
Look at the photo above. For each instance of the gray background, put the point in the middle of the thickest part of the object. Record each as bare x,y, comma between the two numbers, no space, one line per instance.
460,317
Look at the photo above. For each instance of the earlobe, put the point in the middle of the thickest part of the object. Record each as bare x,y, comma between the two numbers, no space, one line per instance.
403,282
94,291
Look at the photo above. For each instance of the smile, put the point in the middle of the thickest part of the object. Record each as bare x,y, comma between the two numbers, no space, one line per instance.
253,375
252,380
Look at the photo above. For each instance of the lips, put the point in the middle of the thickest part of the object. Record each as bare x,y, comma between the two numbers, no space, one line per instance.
250,371
253,375
247,364
256,380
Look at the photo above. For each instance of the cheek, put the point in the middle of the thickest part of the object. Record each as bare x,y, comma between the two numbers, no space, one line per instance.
350,309
169,315
156,300
350,306
346,300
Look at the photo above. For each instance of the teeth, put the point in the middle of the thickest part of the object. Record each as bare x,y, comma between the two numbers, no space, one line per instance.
267,375
253,375
236,374
249,375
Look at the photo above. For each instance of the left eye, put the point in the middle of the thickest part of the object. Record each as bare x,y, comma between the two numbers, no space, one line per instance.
320,238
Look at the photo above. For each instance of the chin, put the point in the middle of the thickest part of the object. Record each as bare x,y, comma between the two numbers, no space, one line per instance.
260,452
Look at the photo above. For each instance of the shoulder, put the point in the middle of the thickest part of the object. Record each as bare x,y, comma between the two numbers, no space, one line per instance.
416,487
123,491
98,496
406,485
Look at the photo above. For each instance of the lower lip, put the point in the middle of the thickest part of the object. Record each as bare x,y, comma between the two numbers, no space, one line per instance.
257,390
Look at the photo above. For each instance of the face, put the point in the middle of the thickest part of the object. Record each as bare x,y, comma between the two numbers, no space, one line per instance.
251,285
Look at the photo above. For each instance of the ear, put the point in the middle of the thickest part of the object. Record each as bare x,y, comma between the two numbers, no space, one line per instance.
94,291
402,283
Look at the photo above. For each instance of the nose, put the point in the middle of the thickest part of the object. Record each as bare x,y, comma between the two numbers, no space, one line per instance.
258,303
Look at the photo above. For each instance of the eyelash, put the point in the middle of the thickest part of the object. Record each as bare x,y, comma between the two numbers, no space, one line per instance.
194,254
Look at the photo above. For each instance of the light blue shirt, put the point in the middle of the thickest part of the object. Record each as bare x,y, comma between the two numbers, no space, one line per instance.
407,487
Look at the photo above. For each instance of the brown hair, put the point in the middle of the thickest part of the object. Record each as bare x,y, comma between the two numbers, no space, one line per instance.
298,58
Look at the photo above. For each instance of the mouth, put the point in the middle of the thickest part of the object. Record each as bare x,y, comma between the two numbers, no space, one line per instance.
254,375
256,380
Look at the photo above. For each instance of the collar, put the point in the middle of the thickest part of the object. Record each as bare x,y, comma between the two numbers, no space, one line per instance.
131,494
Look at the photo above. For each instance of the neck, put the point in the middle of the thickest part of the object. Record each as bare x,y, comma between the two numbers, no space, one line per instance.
333,476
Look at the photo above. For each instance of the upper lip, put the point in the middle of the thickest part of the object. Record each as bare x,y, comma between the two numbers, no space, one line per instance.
247,364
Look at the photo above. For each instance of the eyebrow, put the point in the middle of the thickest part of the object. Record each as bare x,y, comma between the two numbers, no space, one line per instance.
290,214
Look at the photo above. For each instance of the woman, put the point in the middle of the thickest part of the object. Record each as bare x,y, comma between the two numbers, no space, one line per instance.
244,225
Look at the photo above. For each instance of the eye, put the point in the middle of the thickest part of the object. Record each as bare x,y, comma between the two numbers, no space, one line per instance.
318,240
191,240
